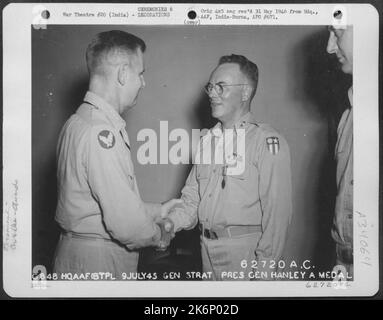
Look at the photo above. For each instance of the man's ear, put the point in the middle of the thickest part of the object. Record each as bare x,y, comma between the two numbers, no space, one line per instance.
246,93
123,73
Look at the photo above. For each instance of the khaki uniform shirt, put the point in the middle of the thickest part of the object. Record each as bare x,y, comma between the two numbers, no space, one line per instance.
260,195
342,231
97,188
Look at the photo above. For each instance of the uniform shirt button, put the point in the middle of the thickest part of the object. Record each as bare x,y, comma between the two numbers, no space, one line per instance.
349,216
209,195
214,170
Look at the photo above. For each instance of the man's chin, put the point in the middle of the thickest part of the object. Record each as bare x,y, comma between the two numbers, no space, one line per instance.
130,106
133,104
346,68
215,114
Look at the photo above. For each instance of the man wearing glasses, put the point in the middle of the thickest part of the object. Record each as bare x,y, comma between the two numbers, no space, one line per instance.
244,214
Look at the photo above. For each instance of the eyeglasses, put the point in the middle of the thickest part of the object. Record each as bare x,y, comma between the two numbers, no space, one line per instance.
219,87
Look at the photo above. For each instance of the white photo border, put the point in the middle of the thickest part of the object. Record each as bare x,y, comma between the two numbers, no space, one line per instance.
17,96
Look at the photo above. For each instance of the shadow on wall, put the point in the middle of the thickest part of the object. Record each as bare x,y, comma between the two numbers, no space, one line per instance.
323,82
44,176
47,231
202,112
325,86
74,96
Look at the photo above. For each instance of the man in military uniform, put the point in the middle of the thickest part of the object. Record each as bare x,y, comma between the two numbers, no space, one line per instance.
103,217
243,214
340,44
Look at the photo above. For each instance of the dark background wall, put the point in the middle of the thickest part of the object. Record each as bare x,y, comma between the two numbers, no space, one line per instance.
301,94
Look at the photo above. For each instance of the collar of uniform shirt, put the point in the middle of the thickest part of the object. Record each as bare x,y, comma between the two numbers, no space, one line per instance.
350,94
216,131
111,113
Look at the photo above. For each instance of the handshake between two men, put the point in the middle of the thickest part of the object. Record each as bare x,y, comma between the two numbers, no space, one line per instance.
166,225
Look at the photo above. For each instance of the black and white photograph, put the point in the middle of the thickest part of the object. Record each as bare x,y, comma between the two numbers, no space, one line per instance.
195,154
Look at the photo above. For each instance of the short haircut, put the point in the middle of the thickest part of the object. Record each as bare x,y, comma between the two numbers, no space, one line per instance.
111,41
248,68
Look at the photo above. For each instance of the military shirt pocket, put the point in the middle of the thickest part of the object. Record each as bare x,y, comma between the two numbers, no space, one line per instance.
239,177
242,186
202,172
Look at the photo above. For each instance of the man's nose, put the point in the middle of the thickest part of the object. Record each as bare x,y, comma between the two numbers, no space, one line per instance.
212,93
143,83
332,44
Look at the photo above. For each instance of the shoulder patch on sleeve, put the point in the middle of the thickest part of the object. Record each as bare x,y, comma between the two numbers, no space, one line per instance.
272,145
106,139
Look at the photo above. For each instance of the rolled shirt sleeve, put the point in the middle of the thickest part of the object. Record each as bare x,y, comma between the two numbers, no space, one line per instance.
275,198
126,217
